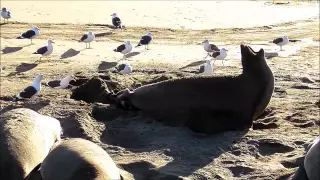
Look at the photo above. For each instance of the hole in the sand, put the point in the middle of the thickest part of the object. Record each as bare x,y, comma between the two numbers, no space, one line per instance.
89,91
240,170
8,50
102,112
292,163
7,98
69,53
271,146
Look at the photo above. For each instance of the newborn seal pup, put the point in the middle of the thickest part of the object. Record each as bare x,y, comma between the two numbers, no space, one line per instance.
79,159
26,138
210,104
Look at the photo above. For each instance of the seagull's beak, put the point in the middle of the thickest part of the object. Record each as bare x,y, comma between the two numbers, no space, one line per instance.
226,49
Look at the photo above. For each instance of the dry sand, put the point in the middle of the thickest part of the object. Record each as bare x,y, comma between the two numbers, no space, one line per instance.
147,149
172,14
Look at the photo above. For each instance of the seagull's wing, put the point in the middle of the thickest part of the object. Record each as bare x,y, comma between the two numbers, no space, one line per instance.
277,40
84,37
27,92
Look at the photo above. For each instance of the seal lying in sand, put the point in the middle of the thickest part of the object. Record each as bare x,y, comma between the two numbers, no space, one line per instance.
312,160
26,138
209,104
79,159
310,168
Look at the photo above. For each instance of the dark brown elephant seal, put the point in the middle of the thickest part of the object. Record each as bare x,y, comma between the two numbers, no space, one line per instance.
26,138
210,104
79,159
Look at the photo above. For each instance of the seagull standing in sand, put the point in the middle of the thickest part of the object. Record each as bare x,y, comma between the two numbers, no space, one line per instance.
60,84
206,68
209,48
87,38
145,40
124,69
281,41
6,15
219,55
31,91
30,34
116,21
45,50
124,48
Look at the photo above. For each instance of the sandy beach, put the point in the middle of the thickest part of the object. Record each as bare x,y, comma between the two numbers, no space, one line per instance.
164,14
142,147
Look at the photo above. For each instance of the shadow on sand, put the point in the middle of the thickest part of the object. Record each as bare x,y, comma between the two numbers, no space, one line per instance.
131,54
23,67
69,53
8,50
197,63
103,34
106,65
189,151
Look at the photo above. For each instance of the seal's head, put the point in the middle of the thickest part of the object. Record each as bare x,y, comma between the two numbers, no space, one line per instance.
251,60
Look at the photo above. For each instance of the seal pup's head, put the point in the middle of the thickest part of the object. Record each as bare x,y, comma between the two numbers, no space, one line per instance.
252,61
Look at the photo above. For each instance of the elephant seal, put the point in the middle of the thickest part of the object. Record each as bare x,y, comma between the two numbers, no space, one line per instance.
26,138
79,159
210,104
312,160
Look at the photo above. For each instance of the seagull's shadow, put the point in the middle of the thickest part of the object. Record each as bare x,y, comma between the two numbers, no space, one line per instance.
106,65
23,67
197,63
8,50
131,54
69,53
103,34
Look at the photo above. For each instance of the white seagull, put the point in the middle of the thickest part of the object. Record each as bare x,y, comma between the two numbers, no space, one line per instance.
60,84
45,50
31,91
209,48
124,48
145,40
219,55
116,21
124,69
6,15
281,41
30,34
87,38
206,68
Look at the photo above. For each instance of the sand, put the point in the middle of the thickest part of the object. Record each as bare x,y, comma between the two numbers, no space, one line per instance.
169,14
143,147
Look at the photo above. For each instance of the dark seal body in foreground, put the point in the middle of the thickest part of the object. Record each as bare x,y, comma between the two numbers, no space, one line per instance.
79,159
26,138
312,160
210,104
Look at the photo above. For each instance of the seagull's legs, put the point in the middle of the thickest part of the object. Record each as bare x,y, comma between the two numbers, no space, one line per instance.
214,62
206,56
31,41
222,62
89,45
281,48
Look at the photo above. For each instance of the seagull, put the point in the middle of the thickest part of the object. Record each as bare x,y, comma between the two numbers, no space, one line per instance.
87,38
6,15
124,69
31,91
219,55
281,41
2,68
145,40
60,84
116,21
209,48
124,48
45,50
30,34
206,68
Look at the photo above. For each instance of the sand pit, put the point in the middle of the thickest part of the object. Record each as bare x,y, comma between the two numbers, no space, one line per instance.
178,14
